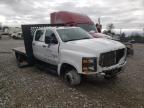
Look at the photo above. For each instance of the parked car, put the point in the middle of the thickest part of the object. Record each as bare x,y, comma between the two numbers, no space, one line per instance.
16,35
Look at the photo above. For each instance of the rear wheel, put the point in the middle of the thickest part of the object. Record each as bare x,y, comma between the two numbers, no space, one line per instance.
21,60
72,78
18,58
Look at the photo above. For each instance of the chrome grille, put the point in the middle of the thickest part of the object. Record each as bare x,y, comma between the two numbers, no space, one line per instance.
111,58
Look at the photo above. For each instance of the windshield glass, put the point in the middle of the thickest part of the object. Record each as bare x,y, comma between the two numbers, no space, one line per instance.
87,27
72,34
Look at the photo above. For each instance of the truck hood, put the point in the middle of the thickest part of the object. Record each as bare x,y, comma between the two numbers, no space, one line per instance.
93,46
100,35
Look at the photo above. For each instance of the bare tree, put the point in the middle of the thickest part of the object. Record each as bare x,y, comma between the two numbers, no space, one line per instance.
110,27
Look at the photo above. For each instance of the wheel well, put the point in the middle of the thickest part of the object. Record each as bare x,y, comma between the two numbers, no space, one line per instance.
65,67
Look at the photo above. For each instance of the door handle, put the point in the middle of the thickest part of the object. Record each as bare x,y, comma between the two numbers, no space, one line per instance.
44,46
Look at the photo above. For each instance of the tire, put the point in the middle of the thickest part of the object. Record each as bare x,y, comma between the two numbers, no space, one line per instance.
72,78
18,59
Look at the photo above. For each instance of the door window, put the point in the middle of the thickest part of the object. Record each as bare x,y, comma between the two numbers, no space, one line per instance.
50,37
39,35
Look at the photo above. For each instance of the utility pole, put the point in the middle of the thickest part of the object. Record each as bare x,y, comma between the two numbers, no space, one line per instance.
120,31
99,26
99,21
143,32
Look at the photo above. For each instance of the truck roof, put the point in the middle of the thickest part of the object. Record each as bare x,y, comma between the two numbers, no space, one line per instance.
69,17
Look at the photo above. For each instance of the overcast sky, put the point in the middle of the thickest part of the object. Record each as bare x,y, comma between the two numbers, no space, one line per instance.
123,13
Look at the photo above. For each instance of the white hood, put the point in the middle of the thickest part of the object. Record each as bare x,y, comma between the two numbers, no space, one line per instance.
101,35
96,45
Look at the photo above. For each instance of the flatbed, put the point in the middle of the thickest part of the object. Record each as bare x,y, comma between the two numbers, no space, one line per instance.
22,61
20,50
21,56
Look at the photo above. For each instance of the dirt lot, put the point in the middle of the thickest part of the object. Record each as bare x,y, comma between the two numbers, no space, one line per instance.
32,88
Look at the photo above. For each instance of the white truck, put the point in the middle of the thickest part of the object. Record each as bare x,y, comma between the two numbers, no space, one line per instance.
16,35
71,52
16,32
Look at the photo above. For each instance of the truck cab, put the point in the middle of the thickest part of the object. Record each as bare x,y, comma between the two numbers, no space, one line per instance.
73,19
78,20
75,52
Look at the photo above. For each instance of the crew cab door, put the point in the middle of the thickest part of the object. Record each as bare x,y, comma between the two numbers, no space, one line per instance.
37,44
51,49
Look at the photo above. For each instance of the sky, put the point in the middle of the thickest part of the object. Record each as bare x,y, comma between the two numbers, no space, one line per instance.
122,13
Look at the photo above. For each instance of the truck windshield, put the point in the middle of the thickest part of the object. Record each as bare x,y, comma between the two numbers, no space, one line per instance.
88,27
72,34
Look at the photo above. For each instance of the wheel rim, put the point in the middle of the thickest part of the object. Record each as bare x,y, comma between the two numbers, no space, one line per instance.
68,79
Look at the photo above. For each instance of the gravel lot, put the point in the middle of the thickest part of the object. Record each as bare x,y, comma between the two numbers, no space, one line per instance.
32,88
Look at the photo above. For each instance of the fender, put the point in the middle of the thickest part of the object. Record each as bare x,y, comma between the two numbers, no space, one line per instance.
70,63
73,58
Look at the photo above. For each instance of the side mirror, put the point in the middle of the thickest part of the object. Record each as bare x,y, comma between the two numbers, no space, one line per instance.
50,40
47,40
54,41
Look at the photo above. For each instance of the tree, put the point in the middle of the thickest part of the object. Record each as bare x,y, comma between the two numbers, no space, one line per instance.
138,38
109,30
123,37
110,27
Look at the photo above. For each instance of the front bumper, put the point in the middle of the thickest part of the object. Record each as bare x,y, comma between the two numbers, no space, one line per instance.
118,68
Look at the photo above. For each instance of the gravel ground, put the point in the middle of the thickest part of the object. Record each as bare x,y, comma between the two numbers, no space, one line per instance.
32,88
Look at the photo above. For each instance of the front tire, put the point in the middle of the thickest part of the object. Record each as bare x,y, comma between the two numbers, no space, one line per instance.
72,78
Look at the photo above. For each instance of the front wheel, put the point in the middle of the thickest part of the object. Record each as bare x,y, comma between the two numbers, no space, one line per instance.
72,78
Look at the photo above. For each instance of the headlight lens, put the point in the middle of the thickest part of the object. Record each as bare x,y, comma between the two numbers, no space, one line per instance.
89,64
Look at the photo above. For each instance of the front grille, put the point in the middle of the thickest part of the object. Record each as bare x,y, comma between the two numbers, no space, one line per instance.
111,58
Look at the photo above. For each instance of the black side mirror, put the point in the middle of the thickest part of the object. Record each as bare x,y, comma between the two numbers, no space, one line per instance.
47,40
54,41
50,40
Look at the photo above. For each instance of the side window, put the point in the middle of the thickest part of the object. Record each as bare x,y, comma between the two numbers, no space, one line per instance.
39,35
50,37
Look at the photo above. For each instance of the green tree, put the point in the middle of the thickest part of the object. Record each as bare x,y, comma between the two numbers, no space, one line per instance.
138,38
123,37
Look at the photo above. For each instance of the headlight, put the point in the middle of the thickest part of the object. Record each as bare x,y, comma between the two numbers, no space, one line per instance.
89,64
